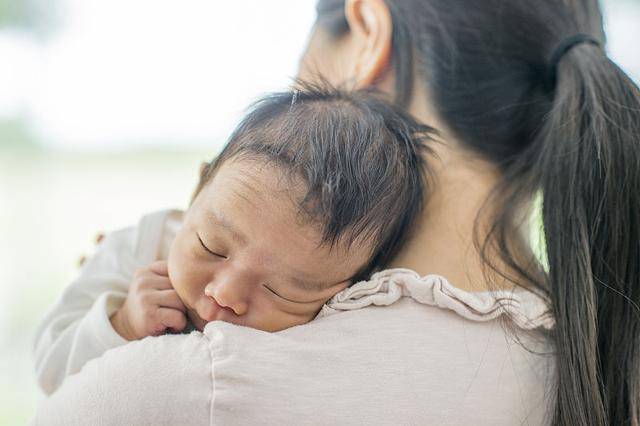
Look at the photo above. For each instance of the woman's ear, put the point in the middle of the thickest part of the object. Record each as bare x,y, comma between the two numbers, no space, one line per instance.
371,30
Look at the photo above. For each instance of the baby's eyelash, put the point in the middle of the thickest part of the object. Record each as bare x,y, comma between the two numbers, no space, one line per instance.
207,248
284,298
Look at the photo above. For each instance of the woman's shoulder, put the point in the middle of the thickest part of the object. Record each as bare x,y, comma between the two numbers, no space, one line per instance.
392,353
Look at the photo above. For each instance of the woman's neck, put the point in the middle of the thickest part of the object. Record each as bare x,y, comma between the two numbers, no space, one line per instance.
442,241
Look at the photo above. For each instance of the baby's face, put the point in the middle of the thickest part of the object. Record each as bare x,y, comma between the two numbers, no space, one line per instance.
242,257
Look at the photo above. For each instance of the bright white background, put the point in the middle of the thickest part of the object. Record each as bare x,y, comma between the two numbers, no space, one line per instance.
105,116
144,72
125,73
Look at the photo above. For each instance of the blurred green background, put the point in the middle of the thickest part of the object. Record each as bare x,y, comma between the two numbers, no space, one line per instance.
94,151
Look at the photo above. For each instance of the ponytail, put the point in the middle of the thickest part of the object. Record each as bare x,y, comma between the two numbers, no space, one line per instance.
589,170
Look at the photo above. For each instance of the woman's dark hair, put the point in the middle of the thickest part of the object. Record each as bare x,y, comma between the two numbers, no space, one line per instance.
360,157
573,138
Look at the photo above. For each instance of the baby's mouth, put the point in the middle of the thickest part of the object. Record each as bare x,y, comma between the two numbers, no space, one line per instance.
206,309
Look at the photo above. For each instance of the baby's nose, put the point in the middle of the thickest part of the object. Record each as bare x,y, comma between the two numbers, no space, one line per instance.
228,297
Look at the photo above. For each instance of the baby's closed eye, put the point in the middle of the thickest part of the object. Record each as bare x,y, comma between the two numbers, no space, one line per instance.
287,299
207,249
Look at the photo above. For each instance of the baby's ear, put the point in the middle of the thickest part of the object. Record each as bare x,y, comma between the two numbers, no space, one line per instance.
203,168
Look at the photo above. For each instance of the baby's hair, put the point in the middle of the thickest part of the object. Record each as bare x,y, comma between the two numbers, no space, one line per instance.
362,160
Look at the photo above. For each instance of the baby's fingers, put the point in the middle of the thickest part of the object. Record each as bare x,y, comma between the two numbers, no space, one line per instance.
170,299
159,267
151,283
172,319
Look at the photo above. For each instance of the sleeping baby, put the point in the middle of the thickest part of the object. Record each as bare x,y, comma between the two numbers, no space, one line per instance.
316,189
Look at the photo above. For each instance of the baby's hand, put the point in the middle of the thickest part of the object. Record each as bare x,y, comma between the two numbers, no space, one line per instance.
152,305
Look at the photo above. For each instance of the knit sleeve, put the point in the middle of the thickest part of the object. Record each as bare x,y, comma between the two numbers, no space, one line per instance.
77,328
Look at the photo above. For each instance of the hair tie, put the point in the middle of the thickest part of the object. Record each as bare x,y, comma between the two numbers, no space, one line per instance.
562,48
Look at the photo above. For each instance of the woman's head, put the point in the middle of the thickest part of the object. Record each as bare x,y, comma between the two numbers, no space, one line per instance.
481,66
319,186
567,128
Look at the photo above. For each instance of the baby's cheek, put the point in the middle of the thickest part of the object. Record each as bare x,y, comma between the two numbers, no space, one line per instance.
284,319
179,268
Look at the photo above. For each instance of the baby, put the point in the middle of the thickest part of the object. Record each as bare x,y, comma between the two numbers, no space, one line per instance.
315,189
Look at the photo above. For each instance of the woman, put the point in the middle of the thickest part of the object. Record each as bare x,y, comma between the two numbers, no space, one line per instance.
525,99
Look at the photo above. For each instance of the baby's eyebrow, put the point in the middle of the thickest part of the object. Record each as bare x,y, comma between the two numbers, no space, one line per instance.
221,220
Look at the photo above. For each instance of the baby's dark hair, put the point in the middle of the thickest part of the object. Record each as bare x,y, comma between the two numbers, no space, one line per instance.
362,160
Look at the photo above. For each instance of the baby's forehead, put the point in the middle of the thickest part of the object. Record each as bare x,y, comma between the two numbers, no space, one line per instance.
256,179
262,176
260,186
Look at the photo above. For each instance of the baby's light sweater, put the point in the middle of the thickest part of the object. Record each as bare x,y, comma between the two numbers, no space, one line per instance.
419,336
77,329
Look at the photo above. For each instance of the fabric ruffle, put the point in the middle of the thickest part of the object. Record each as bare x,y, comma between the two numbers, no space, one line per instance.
526,309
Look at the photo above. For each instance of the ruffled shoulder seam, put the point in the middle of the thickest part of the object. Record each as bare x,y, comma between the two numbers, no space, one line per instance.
526,309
